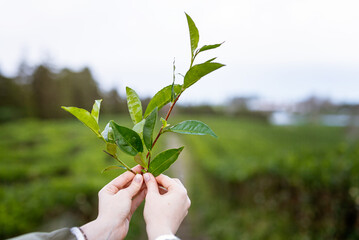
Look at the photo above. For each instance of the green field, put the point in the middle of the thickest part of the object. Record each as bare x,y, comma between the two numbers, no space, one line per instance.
256,181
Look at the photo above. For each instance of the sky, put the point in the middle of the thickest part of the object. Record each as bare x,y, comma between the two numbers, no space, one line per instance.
278,50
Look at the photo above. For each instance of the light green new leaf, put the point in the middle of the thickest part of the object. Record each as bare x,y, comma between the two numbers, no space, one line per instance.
139,159
111,148
211,60
161,98
164,160
113,167
134,105
148,129
193,33
85,117
138,128
196,72
127,139
208,47
96,109
192,127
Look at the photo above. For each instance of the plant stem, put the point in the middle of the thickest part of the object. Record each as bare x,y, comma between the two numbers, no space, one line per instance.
160,132
115,157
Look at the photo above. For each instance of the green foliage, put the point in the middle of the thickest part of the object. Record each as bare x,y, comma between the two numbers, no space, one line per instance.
164,160
127,139
134,105
96,109
113,167
148,129
162,97
192,127
132,141
199,71
273,182
209,47
86,118
193,33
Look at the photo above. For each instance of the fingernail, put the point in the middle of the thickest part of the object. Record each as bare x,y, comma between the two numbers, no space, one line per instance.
146,177
138,178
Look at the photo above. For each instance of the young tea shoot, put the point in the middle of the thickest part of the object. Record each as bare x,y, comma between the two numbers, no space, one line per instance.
139,141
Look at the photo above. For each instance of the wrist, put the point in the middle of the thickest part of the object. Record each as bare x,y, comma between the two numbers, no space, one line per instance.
153,232
97,230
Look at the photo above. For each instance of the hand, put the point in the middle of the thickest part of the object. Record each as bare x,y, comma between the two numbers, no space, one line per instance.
117,202
164,213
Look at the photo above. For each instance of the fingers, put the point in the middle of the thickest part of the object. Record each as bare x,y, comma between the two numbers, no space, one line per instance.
166,181
150,183
135,186
137,200
121,181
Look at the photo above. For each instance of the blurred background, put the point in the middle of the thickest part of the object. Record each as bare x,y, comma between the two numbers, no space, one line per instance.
285,108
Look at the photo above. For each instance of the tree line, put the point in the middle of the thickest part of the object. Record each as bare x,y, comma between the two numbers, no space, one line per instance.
41,91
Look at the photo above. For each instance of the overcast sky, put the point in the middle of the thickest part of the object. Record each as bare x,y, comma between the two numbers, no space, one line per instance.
281,50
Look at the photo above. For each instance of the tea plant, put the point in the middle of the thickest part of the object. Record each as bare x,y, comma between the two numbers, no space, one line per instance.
138,141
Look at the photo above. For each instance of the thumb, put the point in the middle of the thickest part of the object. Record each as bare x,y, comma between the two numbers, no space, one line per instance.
151,183
135,185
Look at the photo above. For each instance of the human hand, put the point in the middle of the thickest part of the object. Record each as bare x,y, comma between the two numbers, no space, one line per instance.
117,202
165,212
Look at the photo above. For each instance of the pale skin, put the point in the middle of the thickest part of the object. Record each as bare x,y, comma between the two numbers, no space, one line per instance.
164,209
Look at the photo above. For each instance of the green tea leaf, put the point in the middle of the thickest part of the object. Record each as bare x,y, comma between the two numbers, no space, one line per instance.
134,105
138,128
196,72
139,159
127,139
107,134
164,122
192,127
113,167
85,117
96,109
164,160
161,98
208,47
148,129
111,148
193,33
173,94
211,60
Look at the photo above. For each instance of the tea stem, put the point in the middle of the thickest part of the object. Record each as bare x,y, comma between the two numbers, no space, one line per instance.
115,157
161,130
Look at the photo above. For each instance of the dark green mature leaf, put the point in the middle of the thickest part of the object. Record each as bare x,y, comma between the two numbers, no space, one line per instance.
164,160
85,117
113,167
192,127
134,105
127,139
148,129
161,98
196,72
208,47
193,33
96,109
